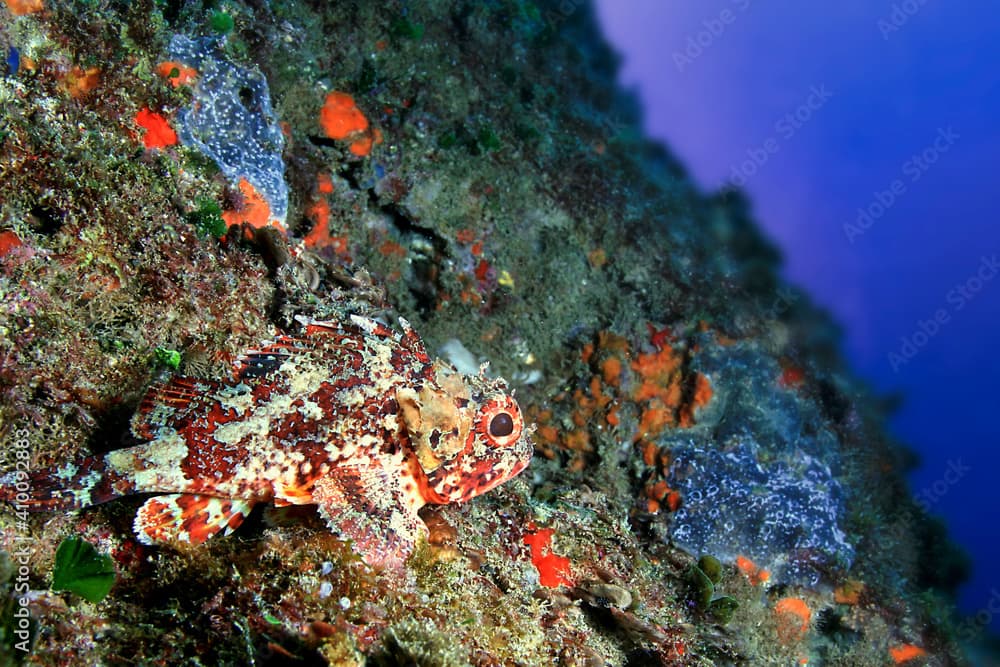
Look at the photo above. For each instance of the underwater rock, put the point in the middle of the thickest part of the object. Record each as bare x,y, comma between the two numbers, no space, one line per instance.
713,478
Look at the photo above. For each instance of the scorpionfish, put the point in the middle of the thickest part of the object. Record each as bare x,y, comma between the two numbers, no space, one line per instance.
348,416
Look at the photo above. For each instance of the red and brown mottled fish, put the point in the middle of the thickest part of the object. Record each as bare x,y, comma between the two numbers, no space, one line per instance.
351,417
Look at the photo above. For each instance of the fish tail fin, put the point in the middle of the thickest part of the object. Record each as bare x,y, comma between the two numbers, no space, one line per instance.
87,481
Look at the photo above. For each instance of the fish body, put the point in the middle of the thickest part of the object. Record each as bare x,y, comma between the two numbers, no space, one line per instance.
349,416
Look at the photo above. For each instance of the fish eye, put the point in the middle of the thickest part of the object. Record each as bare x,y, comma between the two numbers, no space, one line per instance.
502,424
499,421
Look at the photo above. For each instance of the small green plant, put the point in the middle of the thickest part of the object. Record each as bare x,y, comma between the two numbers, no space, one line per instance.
487,138
403,27
82,570
447,140
368,77
476,141
169,358
221,22
703,578
207,218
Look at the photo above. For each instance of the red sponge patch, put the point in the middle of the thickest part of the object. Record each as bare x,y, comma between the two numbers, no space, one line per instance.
552,569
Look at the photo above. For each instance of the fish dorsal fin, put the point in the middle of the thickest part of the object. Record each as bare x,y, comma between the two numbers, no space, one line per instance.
367,326
269,357
165,403
325,340
410,340
317,336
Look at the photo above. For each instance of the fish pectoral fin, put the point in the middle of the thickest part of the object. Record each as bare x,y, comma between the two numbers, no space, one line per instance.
169,404
366,505
188,518
292,494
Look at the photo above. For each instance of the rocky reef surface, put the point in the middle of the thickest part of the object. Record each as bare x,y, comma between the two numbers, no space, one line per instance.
180,180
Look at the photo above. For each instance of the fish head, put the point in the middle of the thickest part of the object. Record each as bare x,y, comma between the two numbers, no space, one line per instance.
467,432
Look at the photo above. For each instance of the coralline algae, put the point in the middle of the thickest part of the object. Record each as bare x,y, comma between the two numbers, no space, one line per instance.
231,120
784,514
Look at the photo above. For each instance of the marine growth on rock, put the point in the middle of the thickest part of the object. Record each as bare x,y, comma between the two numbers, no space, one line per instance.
230,119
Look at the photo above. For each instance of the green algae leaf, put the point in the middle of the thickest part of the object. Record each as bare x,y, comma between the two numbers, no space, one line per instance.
82,570
403,27
447,140
712,568
722,608
701,586
221,23
488,139
207,218
169,358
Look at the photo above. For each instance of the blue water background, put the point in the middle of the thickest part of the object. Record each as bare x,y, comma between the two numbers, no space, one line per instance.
866,135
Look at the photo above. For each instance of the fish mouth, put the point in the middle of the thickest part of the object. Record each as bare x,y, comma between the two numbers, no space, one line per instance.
514,471
520,466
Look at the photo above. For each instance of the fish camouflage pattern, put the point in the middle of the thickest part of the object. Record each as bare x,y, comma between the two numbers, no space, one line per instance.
349,416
